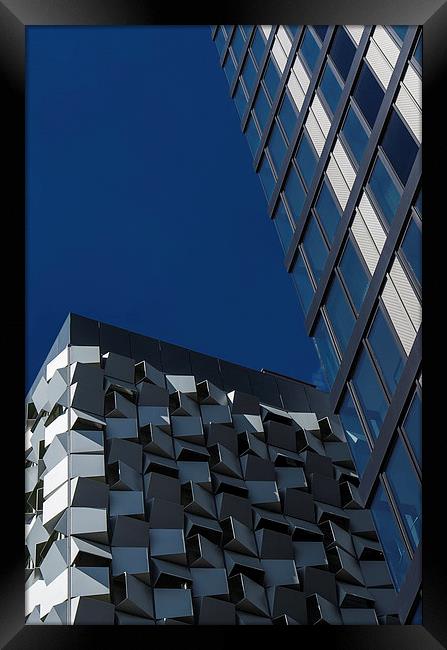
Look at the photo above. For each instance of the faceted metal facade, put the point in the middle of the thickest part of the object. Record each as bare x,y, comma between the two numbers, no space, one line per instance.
167,487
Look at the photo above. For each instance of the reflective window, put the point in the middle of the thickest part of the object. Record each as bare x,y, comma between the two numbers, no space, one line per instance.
261,108
342,52
249,74
384,190
368,94
326,351
309,49
315,249
399,146
271,78
240,99
229,68
370,394
355,435
277,147
418,203
354,275
321,31
355,134
306,160
328,212
340,314
283,225
292,29
258,46
412,248
220,40
400,30
303,284
237,43
253,136
330,87
412,426
406,490
393,545
294,193
287,116
418,51
266,176
388,355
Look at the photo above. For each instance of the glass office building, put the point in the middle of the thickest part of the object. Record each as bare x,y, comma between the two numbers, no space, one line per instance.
332,116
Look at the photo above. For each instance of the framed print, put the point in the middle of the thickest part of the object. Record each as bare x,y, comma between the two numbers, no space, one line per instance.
198,451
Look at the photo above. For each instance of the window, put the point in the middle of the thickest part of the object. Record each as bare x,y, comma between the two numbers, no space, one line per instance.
283,225
354,275
328,212
387,352
412,426
277,148
417,54
292,29
326,351
229,68
237,43
309,49
271,79
400,30
406,490
392,543
315,249
240,99
385,191
416,619
330,87
266,176
261,108
340,314
412,248
418,203
321,31
399,146
355,435
306,160
258,46
368,95
249,73
253,136
355,134
220,40
370,394
302,284
287,116
342,52
294,193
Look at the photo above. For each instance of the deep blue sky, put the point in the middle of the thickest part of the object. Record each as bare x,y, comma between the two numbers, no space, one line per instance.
143,209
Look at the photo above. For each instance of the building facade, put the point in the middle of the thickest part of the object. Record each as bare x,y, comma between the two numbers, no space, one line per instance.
332,116
165,487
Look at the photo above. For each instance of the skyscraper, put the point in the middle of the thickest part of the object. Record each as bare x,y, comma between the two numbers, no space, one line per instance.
332,116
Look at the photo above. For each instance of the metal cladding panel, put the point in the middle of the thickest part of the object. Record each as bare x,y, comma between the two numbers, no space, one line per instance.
279,55
398,315
365,242
338,182
355,31
410,111
344,163
315,133
387,44
379,64
296,92
284,39
321,115
413,83
372,222
266,30
406,293
301,74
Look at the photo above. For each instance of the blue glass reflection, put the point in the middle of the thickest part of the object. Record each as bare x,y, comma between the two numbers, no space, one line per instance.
387,352
412,248
271,78
368,94
340,314
330,87
252,136
399,146
354,275
369,393
277,148
326,351
258,46
328,212
220,40
384,190
261,108
267,179
309,49
302,284
240,100
306,160
249,74
342,52
283,225
413,426
229,68
315,249
287,116
294,193
355,135
355,435
237,43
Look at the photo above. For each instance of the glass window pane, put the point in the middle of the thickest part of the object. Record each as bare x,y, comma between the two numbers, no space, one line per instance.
321,31
387,353
368,95
237,43
330,87
340,314
283,225
384,190
418,51
306,160
354,275
413,426
328,212
287,116
258,46
261,108
240,99
395,551
253,136
303,284
417,615
277,148
399,146
266,176
229,68
309,49
370,394
220,40
412,248
294,193
400,30
355,135
355,435
292,29
406,490
315,249
271,78
249,74
342,52
326,351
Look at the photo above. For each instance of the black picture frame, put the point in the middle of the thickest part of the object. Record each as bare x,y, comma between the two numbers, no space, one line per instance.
15,16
